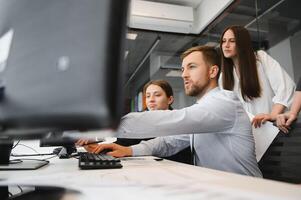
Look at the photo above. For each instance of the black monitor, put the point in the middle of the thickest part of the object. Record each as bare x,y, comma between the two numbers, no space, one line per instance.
61,67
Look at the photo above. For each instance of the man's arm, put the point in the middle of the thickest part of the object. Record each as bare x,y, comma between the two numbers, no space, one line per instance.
213,117
161,146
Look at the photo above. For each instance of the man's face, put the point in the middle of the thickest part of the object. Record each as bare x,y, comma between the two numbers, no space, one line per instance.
195,74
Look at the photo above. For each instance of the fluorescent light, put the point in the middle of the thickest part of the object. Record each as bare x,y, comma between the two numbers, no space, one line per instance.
131,36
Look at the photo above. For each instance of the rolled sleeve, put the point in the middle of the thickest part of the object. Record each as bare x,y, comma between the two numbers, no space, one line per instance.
282,84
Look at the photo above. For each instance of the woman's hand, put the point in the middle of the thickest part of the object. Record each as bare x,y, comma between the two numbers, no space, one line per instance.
284,121
261,118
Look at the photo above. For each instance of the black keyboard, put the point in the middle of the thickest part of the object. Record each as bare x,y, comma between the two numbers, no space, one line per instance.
97,161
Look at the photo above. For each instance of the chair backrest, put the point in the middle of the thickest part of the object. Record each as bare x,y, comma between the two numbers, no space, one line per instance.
282,160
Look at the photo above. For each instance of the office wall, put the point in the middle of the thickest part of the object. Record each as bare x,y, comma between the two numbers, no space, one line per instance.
287,53
282,53
296,49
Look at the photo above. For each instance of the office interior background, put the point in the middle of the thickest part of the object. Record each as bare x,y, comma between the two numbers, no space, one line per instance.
155,40
158,32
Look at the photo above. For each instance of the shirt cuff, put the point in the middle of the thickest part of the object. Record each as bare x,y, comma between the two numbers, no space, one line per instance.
140,150
284,103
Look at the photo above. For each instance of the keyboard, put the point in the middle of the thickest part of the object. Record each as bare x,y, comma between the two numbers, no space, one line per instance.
97,161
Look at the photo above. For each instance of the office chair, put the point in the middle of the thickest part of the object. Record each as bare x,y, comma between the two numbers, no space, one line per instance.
282,160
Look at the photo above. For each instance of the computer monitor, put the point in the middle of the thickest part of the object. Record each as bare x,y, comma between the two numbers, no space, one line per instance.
60,65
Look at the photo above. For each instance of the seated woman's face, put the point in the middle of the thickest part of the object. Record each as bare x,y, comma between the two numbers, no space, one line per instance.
156,98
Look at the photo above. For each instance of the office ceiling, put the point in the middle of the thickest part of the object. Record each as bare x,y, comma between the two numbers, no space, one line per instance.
192,3
278,20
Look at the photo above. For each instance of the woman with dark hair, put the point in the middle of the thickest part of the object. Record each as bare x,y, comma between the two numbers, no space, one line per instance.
159,96
262,85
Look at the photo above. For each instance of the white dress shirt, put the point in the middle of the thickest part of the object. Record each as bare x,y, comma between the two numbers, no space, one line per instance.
221,128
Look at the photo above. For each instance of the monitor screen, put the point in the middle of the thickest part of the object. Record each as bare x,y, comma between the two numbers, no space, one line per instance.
60,65
60,68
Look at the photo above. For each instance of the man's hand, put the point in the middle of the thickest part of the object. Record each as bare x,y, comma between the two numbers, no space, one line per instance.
261,119
85,143
284,121
114,150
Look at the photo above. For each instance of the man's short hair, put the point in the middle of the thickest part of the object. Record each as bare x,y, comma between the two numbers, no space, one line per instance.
210,54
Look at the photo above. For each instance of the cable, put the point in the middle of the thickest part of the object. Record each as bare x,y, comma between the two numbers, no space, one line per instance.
20,188
16,144
29,147
50,157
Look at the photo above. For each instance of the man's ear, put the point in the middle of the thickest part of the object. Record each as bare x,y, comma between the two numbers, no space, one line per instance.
213,71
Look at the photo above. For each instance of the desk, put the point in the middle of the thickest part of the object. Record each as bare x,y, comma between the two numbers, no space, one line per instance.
145,178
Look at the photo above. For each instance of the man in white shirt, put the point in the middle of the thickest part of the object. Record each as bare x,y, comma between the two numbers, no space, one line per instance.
217,127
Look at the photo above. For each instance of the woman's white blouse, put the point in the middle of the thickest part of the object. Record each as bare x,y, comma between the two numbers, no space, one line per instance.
277,86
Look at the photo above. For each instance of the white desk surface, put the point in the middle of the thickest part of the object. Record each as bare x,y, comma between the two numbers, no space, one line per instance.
145,178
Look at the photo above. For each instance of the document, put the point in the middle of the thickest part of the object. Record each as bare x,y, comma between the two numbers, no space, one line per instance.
263,137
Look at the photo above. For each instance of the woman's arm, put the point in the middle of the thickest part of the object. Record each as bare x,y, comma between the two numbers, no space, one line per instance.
263,117
281,83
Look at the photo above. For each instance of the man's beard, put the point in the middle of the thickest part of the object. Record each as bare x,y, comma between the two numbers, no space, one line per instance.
196,90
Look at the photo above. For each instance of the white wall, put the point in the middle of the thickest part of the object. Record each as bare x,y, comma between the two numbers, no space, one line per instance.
282,53
296,49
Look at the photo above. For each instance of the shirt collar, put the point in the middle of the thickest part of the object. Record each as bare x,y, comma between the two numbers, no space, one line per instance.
210,92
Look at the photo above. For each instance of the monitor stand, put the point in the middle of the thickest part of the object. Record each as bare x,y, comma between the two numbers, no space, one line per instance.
6,146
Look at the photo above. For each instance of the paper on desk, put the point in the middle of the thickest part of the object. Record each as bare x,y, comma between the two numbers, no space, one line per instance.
263,137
